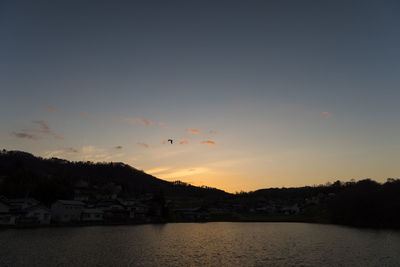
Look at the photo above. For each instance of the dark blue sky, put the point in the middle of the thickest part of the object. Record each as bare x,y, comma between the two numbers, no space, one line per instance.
292,80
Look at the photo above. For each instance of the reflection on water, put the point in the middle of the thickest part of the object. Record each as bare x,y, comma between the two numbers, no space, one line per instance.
194,244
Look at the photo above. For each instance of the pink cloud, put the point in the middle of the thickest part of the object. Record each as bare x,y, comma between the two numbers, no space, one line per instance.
45,128
143,145
327,114
143,121
128,120
184,141
135,120
208,142
83,113
193,131
164,142
50,108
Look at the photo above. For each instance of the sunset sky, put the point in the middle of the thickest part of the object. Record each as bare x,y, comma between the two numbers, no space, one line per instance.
254,94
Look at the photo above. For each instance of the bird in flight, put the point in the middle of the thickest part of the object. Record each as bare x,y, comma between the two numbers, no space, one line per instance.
171,141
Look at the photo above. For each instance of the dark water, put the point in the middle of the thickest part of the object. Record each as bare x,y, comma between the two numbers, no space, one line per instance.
195,244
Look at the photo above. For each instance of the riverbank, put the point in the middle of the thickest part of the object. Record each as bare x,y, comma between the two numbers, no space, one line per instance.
240,219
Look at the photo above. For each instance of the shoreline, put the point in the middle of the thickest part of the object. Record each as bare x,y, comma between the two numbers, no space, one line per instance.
72,225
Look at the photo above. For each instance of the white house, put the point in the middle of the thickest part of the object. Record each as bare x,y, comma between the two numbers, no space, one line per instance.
39,214
67,210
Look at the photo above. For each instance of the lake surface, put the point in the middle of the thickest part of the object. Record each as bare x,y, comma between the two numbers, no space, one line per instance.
201,244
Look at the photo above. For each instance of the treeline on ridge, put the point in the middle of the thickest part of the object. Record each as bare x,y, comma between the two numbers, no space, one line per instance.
22,175
359,203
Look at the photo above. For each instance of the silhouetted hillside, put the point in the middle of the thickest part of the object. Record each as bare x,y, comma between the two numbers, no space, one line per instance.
367,203
22,174
362,203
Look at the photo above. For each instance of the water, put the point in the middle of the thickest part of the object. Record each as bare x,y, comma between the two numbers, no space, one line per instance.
196,244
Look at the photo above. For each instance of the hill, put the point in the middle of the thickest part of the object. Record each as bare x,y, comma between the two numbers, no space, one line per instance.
362,203
22,174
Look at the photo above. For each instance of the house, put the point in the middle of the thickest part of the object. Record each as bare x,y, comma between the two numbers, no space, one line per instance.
141,210
113,210
3,198
92,215
23,203
67,210
294,209
130,205
23,211
6,217
4,206
238,208
38,214
108,204
266,208
312,201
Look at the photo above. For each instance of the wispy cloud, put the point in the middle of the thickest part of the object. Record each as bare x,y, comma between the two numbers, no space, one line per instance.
193,131
44,126
143,145
157,170
128,120
26,135
132,120
85,153
208,142
212,132
50,108
64,152
143,121
43,130
55,153
83,113
176,174
72,150
327,114
162,125
96,154
118,147
184,141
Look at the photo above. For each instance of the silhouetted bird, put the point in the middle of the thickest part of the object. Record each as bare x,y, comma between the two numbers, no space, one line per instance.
171,141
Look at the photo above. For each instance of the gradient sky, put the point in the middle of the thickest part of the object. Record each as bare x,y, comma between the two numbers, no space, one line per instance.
255,94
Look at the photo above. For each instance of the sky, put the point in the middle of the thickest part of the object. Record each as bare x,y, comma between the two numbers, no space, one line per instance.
255,94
